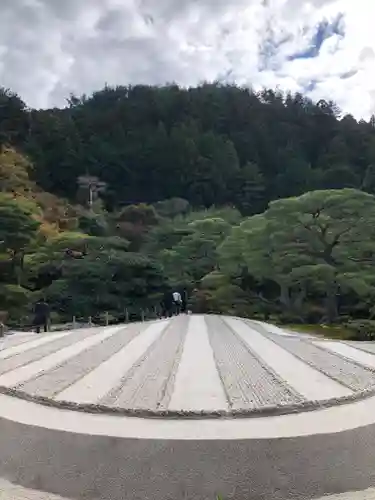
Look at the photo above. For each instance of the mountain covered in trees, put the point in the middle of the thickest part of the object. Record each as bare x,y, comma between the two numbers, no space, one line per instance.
211,145
259,204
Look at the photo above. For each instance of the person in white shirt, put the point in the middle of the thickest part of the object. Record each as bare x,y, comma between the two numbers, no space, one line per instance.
177,302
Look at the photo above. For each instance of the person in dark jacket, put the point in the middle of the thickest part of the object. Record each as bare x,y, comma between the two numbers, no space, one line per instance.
167,304
41,315
184,302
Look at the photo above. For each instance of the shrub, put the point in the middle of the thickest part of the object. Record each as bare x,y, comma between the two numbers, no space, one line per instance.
363,329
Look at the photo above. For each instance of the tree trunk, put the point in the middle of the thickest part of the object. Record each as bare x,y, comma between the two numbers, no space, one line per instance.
331,303
17,260
298,301
285,296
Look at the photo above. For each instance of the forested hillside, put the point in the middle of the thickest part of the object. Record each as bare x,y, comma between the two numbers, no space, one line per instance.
105,203
211,145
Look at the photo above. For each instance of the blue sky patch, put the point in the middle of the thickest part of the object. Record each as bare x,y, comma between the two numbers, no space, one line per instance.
324,30
310,86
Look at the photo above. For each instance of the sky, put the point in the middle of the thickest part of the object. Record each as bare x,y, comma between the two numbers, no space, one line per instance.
322,48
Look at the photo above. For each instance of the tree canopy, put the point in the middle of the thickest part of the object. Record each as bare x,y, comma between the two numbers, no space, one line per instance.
320,243
211,145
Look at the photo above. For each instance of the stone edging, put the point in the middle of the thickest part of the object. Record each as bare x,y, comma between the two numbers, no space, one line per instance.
266,411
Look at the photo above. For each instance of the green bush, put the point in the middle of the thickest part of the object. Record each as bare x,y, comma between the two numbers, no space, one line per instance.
363,329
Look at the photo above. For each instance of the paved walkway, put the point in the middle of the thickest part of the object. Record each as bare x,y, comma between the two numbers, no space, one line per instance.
9,491
83,467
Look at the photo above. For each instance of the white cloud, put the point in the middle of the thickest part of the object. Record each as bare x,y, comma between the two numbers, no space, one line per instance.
49,48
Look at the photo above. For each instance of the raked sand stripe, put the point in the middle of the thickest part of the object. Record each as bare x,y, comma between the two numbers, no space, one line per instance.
364,346
274,329
98,383
59,378
16,339
27,372
343,370
197,384
149,382
34,342
248,383
307,381
41,351
361,357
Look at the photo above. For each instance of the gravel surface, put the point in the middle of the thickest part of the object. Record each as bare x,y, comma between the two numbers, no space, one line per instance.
33,341
363,346
301,377
53,381
368,494
9,491
93,387
197,385
13,340
349,352
344,371
149,383
39,352
248,384
188,365
85,467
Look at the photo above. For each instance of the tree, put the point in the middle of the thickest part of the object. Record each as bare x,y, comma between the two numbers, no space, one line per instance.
14,119
14,302
172,207
18,229
323,239
246,258
368,183
100,284
14,172
156,143
107,278
91,187
196,253
248,188
134,222
339,177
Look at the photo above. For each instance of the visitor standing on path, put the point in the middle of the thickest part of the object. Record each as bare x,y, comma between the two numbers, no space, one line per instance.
184,302
177,302
41,315
167,304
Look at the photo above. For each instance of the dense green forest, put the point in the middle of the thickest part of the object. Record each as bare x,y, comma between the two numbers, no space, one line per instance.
259,204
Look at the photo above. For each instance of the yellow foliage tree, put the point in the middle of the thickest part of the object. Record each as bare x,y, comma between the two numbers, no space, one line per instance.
14,172
53,213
